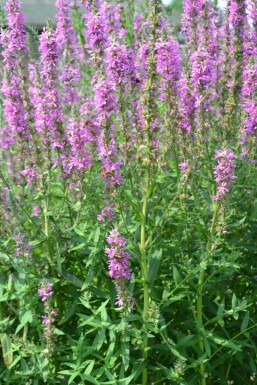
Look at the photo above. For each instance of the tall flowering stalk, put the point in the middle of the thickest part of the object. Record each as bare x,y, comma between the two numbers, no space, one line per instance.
168,66
66,40
16,130
119,269
121,69
48,113
237,20
150,145
106,105
224,175
249,89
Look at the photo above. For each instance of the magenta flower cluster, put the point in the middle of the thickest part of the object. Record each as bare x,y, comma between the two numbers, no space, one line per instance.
118,265
45,291
224,172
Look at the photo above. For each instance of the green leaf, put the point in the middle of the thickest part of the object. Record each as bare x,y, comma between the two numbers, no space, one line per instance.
176,276
74,375
7,349
4,257
78,247
207,347
89,378
196,363
154,264
100,339
90,367
225,343
245,322
27,317
234,302
97,235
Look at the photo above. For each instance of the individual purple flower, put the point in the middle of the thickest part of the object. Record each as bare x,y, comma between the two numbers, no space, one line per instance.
224,172
36,211
45,290
49,319
184,167
106,214
118,265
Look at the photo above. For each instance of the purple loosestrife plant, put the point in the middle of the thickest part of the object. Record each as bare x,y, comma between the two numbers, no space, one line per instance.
119,269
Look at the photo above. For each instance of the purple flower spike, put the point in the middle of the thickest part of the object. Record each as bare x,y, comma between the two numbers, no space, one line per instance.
224,172
119,269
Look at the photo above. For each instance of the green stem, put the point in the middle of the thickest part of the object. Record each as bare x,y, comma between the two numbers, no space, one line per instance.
144,264
199,302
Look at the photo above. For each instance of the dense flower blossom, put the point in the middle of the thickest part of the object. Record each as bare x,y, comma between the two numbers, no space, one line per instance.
13,39
118,265
13,42
65,34
95,32
143,55
190,20
111,13
249,89
187,105
237,16
108,154
120,63
224,172
168,59
238,46
201,69
203,85
48,111
106,104
79,137
105,98
66,40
